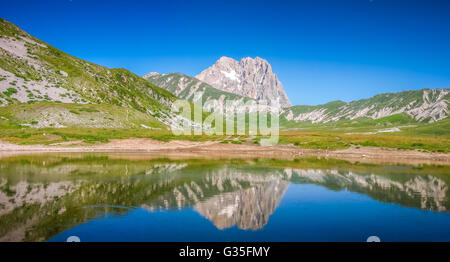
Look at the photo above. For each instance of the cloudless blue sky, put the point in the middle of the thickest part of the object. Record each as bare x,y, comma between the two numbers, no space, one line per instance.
321,50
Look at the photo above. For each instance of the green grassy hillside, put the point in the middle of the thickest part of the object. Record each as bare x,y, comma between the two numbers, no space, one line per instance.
33,71
46,114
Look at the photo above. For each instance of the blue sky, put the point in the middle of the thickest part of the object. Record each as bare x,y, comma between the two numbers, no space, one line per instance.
321,50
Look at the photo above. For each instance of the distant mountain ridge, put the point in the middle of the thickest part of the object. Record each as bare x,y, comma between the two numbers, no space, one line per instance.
249,77
426,105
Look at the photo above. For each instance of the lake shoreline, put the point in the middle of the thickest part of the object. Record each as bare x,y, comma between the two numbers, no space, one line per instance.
215,149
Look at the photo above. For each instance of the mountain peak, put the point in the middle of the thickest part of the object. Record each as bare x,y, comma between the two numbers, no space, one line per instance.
225,59
250,77
151,74
256,59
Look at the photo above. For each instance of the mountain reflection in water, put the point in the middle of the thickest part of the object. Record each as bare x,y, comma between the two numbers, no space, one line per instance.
44,195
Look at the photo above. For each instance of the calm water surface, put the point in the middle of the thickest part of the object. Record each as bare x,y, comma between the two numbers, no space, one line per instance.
140,198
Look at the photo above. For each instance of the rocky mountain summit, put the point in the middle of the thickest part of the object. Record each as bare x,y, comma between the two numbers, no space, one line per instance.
249,77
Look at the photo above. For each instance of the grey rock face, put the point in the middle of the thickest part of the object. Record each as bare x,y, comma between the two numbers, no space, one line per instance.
249,77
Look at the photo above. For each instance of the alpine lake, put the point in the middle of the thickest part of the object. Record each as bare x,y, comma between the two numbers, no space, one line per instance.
138,197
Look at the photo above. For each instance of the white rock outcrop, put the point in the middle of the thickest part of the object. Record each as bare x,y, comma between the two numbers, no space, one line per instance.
249,77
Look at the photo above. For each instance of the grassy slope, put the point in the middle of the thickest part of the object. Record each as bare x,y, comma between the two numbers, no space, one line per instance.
330,106
94,83
356,125
436,129
45,114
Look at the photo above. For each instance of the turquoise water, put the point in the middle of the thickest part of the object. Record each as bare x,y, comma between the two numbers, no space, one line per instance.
118,198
